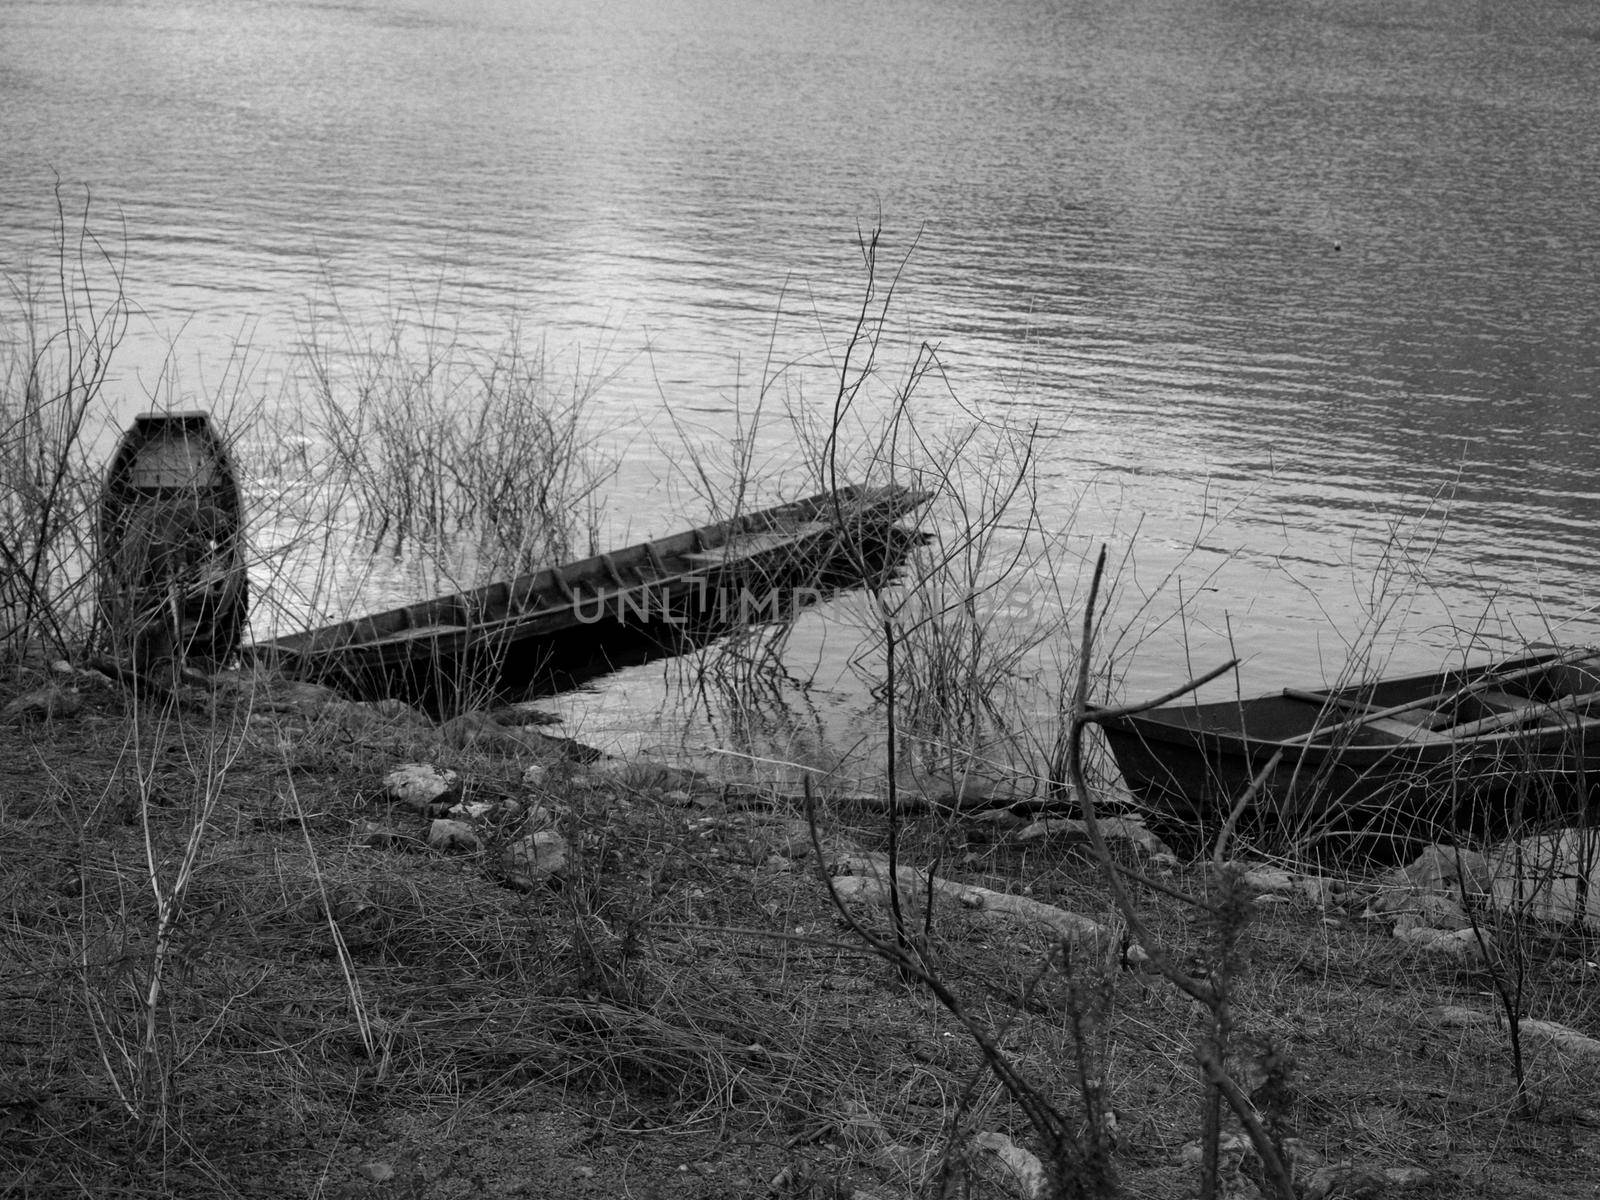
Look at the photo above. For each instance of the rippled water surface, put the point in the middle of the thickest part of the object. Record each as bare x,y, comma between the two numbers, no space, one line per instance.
1284,284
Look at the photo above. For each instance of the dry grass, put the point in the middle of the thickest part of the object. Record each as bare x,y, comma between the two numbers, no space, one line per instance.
683,1017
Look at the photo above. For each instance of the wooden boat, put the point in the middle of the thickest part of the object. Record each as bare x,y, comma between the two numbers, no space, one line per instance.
173,583
560,626
1485,747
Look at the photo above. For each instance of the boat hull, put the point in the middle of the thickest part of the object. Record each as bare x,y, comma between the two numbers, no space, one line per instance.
173,581
559,627
1485,759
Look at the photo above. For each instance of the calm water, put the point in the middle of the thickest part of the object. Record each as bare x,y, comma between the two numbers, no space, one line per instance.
1283,283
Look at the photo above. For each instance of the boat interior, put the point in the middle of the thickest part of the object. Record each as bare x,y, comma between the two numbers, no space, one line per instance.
1546,691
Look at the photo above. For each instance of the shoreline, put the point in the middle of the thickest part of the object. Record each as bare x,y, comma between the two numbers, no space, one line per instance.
674,1004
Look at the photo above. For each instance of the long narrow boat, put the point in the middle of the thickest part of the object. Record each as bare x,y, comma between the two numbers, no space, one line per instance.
559,626
1485,747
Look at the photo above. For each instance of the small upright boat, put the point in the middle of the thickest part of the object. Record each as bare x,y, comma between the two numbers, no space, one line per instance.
1486,747
173,583
561,625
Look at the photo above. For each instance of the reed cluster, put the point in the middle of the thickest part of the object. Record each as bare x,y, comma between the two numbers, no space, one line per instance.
480,454
58,330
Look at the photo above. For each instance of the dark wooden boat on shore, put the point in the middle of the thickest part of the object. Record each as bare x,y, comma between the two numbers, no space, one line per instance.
559,626
1483,748
173,584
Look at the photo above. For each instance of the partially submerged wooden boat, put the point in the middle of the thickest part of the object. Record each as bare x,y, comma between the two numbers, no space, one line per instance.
559,626
173,583
1486,747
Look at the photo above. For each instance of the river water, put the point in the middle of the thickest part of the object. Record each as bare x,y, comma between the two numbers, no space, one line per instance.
1305,298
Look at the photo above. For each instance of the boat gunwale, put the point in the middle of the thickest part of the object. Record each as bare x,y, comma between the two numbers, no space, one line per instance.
880,506
1185,725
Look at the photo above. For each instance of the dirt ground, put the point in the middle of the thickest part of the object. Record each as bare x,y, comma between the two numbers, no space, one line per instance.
328,1006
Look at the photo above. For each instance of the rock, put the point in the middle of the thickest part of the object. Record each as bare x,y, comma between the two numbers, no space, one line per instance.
1563,1038
1441,868
373,713
422,786
288,695
382,837
1407,1177
788,837
535,859
999,819
369,720
1462,945
1268,881
1234,1153
535,775
1553,1033
482,731
1322,892
470,810
468,729
1454,1016
44,704
446,834
1301,1160
1137,958
86,676
1428,908
538,816
1346,1181
862,888
1349,1181
1550,877
1021,1169
1118,831
868,882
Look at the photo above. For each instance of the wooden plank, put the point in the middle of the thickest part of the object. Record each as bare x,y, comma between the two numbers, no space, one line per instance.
1444,699
1403,728
1504,701
1538,710
751,544
1326,700
563,586
419,633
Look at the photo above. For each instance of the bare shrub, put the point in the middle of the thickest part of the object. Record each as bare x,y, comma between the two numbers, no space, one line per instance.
481,456
56,343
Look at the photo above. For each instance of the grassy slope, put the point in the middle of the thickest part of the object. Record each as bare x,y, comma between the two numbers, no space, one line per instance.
683,1017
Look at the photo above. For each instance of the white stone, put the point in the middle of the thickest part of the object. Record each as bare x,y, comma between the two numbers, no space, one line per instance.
1444,868
1550,877
1553,1033
534,859
445,834
46,703
1023,1166
1116,830
1270,881
869,883
421,785
1465,946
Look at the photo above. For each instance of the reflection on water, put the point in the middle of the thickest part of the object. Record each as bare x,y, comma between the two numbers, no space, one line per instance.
1286,288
